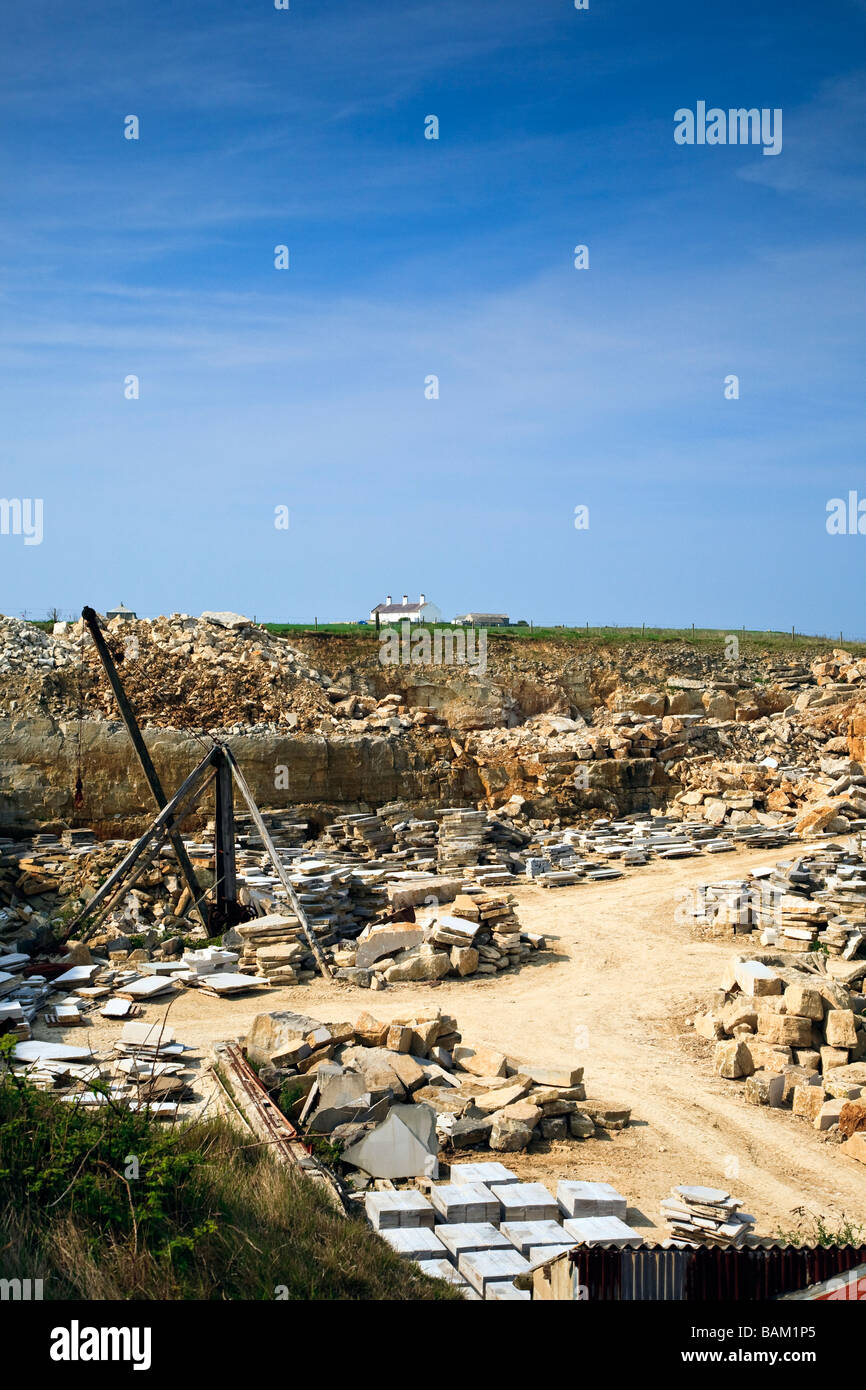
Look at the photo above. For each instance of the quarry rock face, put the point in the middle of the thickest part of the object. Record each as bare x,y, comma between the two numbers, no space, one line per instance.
39,762
553,728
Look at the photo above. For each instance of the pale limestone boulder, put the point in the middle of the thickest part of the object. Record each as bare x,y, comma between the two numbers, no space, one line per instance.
787,1029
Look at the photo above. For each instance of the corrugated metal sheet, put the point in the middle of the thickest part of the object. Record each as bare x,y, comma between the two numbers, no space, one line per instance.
701,1274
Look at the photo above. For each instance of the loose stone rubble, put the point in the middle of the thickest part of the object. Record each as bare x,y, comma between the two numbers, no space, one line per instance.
792,1028
350,1081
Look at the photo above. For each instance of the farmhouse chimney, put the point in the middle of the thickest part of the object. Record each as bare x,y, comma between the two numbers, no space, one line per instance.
388,600
422,600
405,599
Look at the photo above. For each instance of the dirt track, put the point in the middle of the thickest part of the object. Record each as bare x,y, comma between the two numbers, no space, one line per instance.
613,994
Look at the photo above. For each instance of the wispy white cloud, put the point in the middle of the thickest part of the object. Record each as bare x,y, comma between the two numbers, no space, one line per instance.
823,156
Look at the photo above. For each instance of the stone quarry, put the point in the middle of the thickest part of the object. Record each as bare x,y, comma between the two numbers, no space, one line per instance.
552,733
422,818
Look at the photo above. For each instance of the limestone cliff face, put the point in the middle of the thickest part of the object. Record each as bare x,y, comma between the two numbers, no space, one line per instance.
40,760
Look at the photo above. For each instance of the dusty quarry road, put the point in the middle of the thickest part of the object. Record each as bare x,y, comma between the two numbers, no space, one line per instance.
612,995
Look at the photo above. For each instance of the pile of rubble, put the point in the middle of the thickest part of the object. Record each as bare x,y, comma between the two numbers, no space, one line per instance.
349,901
391,1094
39,877
24,647
840,668
479,934
219,670
829,796
796,1038
147,1069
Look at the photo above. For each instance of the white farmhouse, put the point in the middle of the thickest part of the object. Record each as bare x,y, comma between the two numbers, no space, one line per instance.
420,612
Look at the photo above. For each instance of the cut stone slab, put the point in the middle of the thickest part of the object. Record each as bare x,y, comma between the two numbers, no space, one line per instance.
148,987
807,1101
456,930
829,1114
540,1254
77,975
442,1269
116,1008
854,1073
395,1150
415,892
50,1052
526,1201
415,1242
788,1029
465,960
343,1098
491,1174
759,1055
505,1291
461,1238
841,1028
755,978
499,1098
601,1230
704,1196
526,1234
147,1035
386,1211
799,999
410,1074
833,1059
590,1199
563,1077
271,1033
482,1267
511,1135
469,1132
225,983
481,1061
419,963
387,940
732,1060
465,1203
765,1088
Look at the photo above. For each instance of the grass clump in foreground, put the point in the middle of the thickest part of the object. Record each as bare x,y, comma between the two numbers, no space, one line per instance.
210,1214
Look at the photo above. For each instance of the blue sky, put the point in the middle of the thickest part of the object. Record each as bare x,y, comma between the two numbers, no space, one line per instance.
304,388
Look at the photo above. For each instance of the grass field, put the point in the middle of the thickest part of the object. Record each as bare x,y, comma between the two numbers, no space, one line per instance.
708,638
750,639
